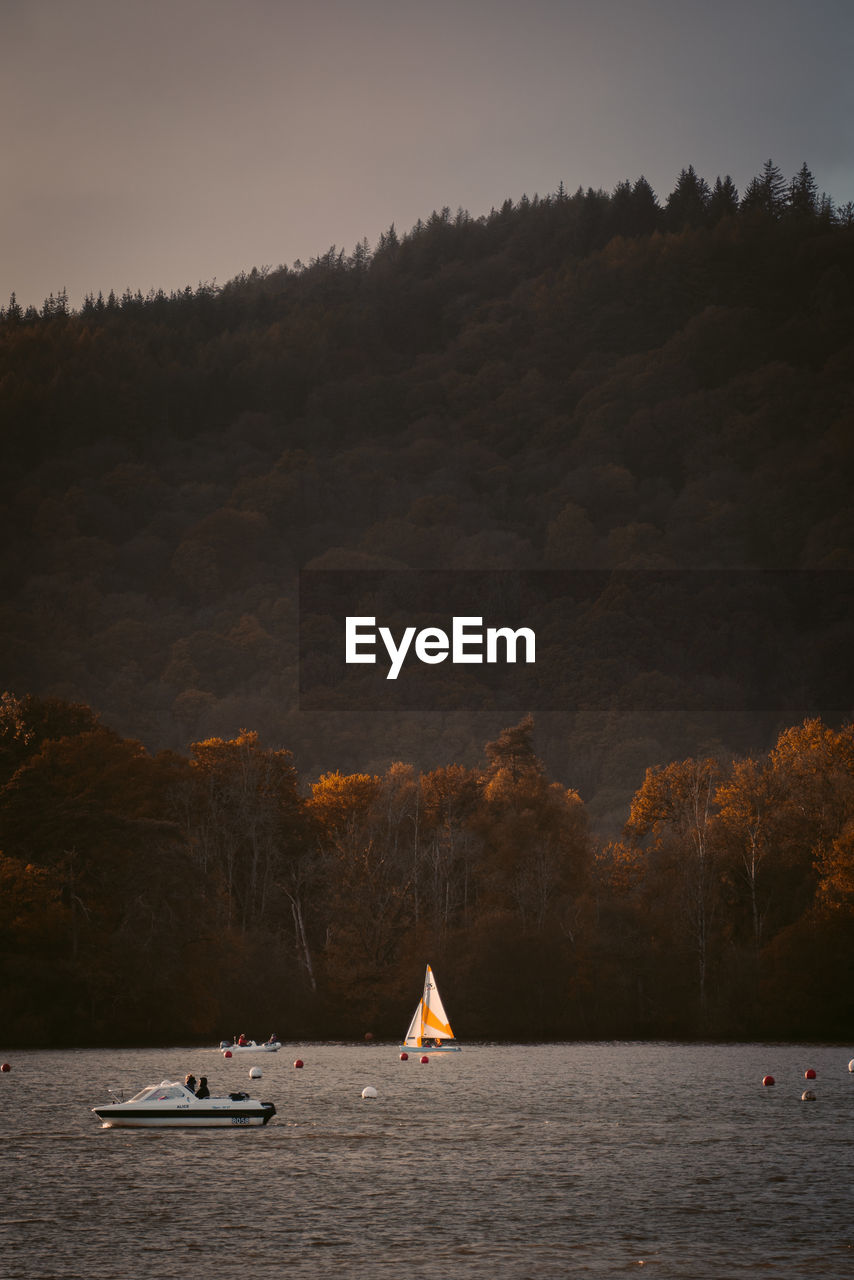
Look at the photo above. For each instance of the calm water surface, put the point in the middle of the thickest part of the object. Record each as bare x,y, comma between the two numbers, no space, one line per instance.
520,1161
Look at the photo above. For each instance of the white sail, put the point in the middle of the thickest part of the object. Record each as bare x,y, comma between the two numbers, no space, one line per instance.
413,1035
429,1021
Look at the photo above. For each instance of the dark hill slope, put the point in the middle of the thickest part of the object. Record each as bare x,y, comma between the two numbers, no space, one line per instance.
553,387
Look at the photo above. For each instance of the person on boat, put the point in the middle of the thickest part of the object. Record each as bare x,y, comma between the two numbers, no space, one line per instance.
273,1038
241,1040
203,1091
190,1082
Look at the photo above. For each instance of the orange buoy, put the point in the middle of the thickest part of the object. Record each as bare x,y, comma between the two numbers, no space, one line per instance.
425,1058
809,1074
767,1079
298,1062
807,1096
5,1067
404,1057
227,1053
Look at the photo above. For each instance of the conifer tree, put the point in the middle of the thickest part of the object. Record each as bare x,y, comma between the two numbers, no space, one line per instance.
620,211
723,200
803,194
688,202
13,312
646,212
767,193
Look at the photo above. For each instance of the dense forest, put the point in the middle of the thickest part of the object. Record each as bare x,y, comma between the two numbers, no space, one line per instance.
592,383
154,899
623,420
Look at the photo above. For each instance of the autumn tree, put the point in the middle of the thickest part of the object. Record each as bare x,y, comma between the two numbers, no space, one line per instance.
621,940
86,811
369,884
512,754
672,814
808,975
534,832
246,830
747,803
27,723
450,846
813,769
531,874
835,867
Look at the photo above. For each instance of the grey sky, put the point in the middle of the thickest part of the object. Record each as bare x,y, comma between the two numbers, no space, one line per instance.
161,143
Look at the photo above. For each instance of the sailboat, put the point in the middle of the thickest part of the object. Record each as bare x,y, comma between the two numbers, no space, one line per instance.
429,1028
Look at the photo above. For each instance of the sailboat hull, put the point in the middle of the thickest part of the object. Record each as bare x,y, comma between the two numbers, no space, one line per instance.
431,1049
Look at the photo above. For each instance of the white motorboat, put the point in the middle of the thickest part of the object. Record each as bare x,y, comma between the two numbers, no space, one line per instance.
269,1046
172,1105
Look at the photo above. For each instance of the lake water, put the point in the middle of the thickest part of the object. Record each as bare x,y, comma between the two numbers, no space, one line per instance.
500,1161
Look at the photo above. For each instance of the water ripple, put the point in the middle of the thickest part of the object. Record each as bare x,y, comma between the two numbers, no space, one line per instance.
506,1162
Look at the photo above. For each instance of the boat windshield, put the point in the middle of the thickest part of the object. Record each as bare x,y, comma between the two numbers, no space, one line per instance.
166,1091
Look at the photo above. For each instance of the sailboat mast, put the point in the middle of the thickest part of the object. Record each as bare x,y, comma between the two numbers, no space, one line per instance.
425,1003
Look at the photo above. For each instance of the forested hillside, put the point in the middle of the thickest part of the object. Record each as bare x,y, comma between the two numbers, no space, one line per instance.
598,381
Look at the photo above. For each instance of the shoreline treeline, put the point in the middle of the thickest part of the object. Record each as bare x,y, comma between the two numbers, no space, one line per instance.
149,899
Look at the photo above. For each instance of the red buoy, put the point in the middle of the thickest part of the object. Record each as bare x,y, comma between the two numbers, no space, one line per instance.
5,1067
298,1062
767,1079
404,1057
425,1058
227,1053
809,1075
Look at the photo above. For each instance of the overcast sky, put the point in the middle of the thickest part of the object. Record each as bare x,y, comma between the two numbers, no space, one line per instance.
159,143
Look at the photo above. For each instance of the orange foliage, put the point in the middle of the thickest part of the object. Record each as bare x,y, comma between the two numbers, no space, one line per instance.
836,869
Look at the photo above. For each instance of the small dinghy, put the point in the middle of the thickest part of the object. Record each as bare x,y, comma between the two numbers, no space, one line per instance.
269,1046
170,1105
430,1028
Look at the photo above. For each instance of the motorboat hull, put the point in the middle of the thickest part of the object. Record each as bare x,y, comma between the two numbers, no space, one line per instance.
121,1116
171,1105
